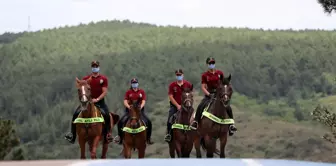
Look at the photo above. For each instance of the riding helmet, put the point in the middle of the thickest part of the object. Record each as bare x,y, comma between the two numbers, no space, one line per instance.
210,59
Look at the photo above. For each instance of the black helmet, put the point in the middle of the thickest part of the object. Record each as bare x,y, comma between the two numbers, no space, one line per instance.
94,63
210,59
134,80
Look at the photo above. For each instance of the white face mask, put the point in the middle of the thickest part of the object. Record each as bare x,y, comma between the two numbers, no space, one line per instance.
211,66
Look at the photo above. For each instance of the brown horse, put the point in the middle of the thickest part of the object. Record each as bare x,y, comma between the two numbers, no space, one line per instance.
216,122
134,133
183,136
89,122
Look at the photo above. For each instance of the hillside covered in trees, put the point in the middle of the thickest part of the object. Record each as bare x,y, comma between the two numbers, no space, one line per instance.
279,77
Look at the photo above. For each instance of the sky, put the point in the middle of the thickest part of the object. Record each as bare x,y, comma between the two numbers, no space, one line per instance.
266,14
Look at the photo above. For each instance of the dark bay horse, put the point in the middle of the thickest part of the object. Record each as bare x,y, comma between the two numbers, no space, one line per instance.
89,122
183,136
215,121
135,135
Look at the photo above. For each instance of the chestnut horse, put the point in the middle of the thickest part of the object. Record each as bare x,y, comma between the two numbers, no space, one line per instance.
134,133
89,123
183,136
215,125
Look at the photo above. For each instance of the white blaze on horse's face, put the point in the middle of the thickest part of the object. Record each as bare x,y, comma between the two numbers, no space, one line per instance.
84,98
188,103
226,98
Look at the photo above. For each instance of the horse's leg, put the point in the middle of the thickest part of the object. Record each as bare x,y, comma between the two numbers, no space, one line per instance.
94,143
104,150
178,148
172,149
209,146
127,151
82,142
197,145
141,152
223,140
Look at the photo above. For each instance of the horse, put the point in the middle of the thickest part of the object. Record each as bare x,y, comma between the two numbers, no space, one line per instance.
135,135
183,136
89,123
217,121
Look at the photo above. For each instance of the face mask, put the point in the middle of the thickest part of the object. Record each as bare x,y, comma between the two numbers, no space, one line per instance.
135,85
211,66
179,78
95,70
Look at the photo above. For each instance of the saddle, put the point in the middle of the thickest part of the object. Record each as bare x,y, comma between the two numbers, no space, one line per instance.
172,118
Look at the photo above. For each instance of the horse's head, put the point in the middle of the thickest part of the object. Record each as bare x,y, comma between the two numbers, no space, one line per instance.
187,99
84,91
135,113
224,90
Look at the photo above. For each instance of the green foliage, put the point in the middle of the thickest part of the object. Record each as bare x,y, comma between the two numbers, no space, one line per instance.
9,141
275,74
323,115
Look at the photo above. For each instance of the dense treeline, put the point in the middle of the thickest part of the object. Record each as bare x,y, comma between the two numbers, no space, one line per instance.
39,69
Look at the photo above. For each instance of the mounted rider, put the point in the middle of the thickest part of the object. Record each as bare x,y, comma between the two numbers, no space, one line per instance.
175,90
134,93
98,86
210,80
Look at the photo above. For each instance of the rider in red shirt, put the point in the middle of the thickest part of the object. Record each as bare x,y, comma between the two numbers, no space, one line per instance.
99,85
134,93
210,80
175,96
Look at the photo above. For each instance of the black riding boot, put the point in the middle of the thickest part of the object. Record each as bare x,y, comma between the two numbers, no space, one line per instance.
198,115
232,127
71,137
107,126
118,139
149,132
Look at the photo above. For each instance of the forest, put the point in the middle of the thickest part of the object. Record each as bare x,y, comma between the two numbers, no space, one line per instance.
278,77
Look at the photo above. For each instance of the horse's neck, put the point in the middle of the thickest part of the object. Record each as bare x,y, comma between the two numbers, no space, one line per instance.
218,109
183,117
135,114
88,113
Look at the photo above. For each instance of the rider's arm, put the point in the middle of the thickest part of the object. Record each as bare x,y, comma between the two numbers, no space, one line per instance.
126,104
171,98
204,85
170,95
104,88
143,101
126,100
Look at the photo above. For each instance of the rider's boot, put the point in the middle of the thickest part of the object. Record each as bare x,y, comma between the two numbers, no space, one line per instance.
194,124
118,138
167,137
168,132
232,127
149,132
107,125
71,136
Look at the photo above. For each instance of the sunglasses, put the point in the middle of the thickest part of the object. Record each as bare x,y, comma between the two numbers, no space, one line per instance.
211,63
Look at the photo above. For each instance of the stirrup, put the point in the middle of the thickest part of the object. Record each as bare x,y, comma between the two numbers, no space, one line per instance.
194,123
167,138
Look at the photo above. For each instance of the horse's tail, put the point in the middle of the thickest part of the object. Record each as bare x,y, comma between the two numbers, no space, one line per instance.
202,142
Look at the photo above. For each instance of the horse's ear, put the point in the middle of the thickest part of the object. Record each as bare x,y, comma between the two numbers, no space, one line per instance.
89,80
77,82
229,78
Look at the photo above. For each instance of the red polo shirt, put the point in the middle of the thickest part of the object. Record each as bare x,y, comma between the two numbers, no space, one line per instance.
97,84
176,90
132,95
211,79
